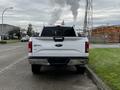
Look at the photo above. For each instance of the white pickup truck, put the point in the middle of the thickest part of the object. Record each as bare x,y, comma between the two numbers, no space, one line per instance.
58,45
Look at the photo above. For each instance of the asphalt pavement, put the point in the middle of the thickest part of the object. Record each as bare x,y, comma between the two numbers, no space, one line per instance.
115,45
15,73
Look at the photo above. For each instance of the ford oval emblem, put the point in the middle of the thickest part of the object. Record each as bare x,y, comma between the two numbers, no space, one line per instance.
58,45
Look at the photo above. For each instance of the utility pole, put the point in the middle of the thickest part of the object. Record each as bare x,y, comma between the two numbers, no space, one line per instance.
88,20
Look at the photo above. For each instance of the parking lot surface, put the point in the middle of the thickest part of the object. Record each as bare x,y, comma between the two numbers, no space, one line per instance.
15,73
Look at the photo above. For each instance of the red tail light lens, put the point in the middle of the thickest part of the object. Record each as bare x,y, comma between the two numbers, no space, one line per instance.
86,47
30,47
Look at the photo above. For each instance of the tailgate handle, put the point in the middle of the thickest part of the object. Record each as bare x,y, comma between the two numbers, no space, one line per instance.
58,45
58,39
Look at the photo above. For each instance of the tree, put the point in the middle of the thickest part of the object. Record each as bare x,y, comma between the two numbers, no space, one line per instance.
29,31
14,32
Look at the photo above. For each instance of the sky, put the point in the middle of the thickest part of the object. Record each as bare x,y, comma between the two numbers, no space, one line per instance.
39,13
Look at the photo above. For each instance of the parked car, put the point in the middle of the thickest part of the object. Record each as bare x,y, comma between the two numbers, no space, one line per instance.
25,39
5,37
58,46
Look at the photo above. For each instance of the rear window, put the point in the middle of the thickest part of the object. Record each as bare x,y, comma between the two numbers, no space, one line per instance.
58,31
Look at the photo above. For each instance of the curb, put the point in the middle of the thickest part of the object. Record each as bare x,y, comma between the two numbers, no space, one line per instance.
98,82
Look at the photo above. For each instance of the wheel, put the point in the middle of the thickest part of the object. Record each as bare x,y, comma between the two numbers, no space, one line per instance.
80,69
35,68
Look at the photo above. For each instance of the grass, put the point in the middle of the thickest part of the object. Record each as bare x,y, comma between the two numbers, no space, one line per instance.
12,41
9,41
106,64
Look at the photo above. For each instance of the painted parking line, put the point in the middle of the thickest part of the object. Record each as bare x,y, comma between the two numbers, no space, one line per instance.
11,65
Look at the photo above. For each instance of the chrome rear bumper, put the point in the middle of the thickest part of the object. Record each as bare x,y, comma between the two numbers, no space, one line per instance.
72,61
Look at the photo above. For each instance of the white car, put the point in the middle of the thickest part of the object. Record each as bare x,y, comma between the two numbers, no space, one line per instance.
58,45
25,39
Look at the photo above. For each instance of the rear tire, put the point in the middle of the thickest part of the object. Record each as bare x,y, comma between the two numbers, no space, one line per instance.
35,68
80,69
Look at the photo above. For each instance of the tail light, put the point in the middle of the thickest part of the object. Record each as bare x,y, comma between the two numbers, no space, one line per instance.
30,47
86,47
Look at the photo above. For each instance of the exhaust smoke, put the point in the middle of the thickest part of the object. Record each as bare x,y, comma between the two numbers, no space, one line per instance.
55,15
60,4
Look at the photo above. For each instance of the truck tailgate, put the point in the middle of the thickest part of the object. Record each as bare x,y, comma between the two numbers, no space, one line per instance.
69,47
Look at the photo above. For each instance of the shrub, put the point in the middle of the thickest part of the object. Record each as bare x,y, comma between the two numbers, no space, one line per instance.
3,42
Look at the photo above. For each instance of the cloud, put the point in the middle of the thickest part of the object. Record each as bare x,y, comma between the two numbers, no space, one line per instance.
38,12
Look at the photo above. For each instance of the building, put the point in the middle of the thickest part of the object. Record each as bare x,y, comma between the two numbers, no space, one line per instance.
107,34
6,29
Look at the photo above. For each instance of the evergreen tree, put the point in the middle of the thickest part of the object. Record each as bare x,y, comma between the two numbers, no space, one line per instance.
29,31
